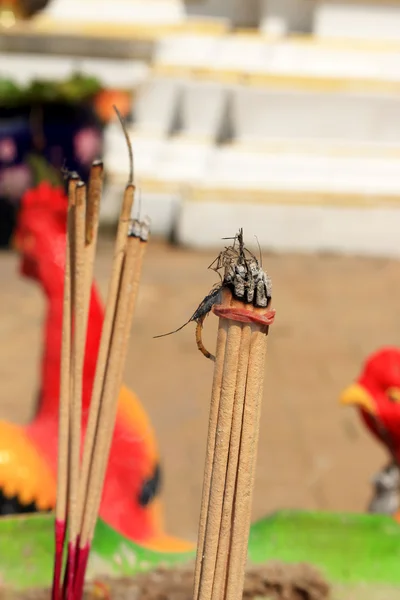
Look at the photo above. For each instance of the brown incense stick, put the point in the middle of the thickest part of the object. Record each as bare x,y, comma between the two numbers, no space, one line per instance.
92,226
131,309
240,522
246,471
64,413
212,430
223,533
78,350
233,461
102,358
93,203
217,487
135,254
118,349
101,365
65,375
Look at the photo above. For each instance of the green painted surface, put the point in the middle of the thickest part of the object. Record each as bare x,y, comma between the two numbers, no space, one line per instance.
351,550
348,548
26,552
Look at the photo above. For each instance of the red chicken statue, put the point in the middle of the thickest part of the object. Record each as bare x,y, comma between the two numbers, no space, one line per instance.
130,502
376,394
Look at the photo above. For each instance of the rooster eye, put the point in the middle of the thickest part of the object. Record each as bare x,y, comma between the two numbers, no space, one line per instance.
150,487
394,394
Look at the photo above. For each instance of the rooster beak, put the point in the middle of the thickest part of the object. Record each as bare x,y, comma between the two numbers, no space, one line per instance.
357,395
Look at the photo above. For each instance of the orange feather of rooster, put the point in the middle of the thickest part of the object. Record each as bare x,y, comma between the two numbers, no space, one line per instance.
28,454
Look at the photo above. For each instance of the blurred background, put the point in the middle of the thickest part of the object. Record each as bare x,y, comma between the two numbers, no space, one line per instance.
278,116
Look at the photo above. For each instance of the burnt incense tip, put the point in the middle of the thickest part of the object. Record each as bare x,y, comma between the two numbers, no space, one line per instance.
80,184
72,176
135,229
242,273
98,163
145,229
140,229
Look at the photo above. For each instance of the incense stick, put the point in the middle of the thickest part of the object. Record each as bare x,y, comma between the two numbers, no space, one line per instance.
212,430
93,203
91,227
112,383
102,357
78,351
63,426
119,253
246,466
217,484
136,248
224,524
233,461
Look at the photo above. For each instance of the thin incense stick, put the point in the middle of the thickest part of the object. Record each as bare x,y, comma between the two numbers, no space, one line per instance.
119,253
78,351
246,471
136,248
119,346
91,232
212,430
63,426
91,227
102,357
217,487
95,188
233,460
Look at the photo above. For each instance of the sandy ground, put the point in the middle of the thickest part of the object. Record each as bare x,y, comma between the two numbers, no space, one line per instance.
331,312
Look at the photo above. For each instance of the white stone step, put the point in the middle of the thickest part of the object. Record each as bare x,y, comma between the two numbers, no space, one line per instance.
310,201
115,73
259,113
245,169
289,56
118,11
156,105
296,202
186,50
287,226
361,19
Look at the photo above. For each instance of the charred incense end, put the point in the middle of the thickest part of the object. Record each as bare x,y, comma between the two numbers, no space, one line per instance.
140,229
243,275
98,164
145,229
135,229
69,175
245,279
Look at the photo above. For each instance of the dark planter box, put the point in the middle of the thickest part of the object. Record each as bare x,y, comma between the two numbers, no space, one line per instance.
69,136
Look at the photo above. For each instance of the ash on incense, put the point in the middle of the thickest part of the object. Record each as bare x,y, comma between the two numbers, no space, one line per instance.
272,581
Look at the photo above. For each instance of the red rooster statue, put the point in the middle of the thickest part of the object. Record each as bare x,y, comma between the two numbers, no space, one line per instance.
130,502
376,394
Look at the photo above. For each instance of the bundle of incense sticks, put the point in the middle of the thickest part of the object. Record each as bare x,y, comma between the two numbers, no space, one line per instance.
245,317
80,483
